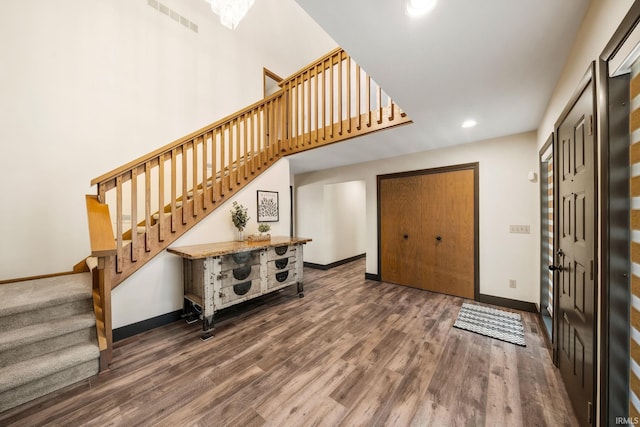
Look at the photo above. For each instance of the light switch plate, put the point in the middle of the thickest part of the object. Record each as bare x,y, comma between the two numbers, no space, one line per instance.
520,229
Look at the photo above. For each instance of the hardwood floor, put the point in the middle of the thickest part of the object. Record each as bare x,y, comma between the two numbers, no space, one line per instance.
351,352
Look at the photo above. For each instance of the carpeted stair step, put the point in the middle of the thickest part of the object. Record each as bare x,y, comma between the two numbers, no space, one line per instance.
42,300
29,379
35,340
47,337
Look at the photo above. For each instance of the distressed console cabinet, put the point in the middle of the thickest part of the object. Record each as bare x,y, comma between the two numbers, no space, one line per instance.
219,275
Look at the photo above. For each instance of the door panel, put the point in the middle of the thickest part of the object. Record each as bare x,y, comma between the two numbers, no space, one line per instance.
427,231
400,215
575,252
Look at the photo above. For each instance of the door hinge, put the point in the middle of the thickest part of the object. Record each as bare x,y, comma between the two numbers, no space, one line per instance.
591,125
591,269
589,410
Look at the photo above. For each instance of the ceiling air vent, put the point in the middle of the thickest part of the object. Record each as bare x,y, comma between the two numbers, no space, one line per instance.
173,15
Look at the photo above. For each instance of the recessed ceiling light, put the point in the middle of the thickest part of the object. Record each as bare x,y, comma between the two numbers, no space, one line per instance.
469,123
416,8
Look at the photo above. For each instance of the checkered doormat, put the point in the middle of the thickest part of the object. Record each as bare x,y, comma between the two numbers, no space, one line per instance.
491,322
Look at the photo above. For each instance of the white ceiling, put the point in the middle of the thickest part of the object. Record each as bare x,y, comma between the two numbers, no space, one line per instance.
496,61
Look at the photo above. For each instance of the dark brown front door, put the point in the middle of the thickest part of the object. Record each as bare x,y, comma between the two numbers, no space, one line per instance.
574,258
427,230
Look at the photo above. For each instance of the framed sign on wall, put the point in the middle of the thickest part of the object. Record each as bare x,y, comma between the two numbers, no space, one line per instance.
268,210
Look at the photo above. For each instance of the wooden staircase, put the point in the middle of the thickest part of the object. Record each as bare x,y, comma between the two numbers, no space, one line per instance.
156,198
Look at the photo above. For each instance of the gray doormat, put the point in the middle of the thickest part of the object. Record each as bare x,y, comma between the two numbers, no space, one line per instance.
491,322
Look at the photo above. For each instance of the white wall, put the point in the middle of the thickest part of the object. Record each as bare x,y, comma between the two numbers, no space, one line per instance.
506,197
599,24
88,85
334,216
156,288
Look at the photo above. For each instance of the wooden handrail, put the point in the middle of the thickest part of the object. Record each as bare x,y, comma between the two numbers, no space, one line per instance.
140,161
312,65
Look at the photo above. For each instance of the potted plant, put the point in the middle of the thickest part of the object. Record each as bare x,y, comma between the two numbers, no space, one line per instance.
240,218
264,228
261,234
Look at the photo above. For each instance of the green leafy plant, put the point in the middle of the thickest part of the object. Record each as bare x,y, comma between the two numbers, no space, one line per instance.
263,228
239,216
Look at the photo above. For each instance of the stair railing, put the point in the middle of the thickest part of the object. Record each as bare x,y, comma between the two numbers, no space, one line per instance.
154,199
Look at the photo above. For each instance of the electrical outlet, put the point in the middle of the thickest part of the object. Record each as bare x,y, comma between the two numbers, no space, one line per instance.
512,283
519,229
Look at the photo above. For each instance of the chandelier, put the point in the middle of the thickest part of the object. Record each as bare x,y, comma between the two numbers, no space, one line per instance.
231,12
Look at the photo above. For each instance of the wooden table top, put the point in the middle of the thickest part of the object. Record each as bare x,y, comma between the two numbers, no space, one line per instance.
207,250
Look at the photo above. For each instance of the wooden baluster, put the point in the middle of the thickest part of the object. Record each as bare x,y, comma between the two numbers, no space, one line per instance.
246,146
230,147
134,214
307,116
259,137
317,104
174,195
223,162
358,97
229,151
194,175
280,134
238,145
340,78
324,100
214,165
147,205
369,100
348,59
272,129
161,218
252,140
296,115
119,253
264,114
290,115
275,126
267,131
263,136
331,97
185,198
301,107
392,109
205,172
283,122
379,96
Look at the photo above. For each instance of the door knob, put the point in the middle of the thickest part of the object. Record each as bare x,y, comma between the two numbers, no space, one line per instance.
438,238
556,268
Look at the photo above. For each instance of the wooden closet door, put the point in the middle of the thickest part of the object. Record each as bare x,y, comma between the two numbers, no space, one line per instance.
427,231
453,233
401,230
